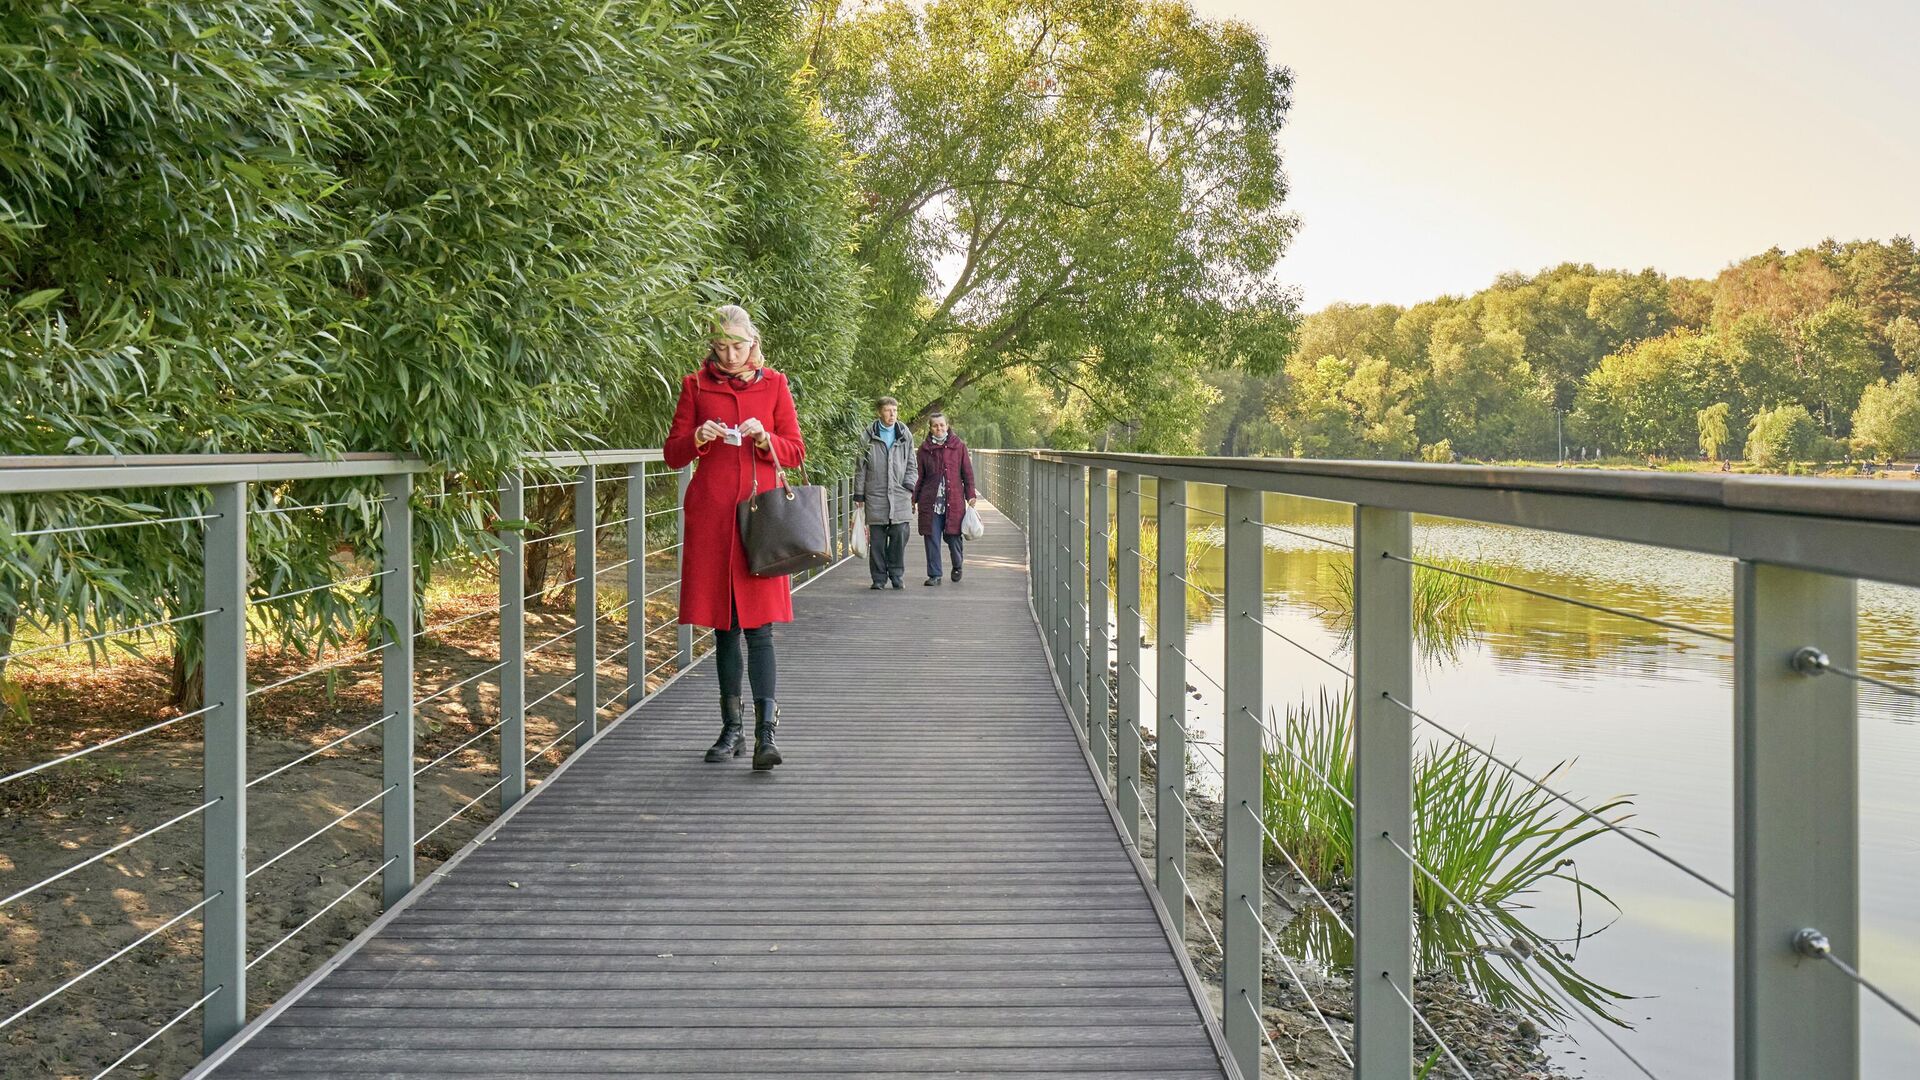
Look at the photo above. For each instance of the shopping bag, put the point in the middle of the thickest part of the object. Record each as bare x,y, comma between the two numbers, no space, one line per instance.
971,526
859,530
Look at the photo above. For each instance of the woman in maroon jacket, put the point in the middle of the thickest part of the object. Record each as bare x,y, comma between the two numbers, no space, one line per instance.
735,415
946,478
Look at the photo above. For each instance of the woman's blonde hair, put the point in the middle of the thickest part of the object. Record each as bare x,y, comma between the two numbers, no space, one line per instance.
731,321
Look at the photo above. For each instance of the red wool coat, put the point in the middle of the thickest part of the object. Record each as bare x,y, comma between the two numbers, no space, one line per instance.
714,578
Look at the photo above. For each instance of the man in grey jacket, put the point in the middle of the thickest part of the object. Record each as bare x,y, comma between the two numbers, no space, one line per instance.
883,483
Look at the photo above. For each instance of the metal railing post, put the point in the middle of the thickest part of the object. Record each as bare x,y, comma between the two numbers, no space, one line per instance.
1796,826
1170,694
1383,793
224,825
1127,791
396,687
1034,588
1062,573
840,519
636,584
683,633
1079,612
586,612
1099,596
1243,802
1048,563
513,640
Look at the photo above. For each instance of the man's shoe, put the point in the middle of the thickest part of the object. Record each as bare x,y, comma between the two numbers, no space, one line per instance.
898,585
956,574
730,744
876,586
931,581
766,720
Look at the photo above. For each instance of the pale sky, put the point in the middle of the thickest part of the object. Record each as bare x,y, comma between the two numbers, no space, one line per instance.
1433,146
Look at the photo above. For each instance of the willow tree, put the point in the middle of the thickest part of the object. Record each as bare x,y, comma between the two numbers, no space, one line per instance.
454,230
1086,189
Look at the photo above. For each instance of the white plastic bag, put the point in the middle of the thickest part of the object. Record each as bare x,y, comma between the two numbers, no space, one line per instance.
971,526
859,530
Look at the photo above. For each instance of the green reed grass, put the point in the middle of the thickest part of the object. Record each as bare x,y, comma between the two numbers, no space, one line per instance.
1488,836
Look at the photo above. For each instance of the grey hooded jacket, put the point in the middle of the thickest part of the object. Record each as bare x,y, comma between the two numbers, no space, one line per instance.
886,475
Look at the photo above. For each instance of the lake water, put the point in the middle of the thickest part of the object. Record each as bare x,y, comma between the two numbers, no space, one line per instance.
1639,710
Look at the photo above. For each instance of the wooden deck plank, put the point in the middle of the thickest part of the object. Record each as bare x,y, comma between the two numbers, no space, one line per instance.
930,886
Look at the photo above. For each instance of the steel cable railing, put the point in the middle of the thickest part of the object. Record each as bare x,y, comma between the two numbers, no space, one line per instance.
1200,832
1812,661
288,508
104,744
105,634
1298,982
107,526
317,751
1575,805
1344,673
222,570
161,1030
315,917
1302,535
451,623
321,669
1815,944
110,852
473,678
1469,913
323,587
1543,594
481,734
322,831
1267,1037
1431,1034
21,1014
470,804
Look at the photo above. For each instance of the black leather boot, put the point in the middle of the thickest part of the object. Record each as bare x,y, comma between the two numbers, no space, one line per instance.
730,744
766,718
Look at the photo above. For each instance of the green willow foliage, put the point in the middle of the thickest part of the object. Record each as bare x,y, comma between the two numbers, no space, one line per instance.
449,229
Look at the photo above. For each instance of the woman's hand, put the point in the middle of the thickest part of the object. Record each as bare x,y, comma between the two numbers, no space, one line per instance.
752,428
707,432
973,502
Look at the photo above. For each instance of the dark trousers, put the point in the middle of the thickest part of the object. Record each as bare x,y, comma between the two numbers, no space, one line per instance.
887,552
760,669
956,547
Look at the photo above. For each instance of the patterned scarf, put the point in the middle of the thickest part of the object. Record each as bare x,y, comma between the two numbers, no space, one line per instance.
738,382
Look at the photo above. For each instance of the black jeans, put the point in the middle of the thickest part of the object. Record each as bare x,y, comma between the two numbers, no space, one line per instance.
760,667
956,547
887,552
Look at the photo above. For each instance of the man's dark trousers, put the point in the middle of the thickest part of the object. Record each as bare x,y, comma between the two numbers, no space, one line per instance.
887,552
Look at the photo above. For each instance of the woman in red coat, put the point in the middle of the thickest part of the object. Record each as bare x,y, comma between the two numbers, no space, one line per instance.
735,415
942,494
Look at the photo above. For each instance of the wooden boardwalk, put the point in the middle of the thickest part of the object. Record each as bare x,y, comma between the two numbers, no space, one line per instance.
931,886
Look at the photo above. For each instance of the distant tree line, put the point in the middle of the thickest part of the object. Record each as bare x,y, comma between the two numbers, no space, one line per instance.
1781,357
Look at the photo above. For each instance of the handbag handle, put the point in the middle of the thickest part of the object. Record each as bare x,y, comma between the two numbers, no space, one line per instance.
778,470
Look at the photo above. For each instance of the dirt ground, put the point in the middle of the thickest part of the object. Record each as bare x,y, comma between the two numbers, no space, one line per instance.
59,817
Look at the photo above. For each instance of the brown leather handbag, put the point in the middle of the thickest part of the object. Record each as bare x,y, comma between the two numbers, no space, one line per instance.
785,530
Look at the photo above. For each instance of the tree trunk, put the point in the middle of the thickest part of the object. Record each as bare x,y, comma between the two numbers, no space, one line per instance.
548,511
186,690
